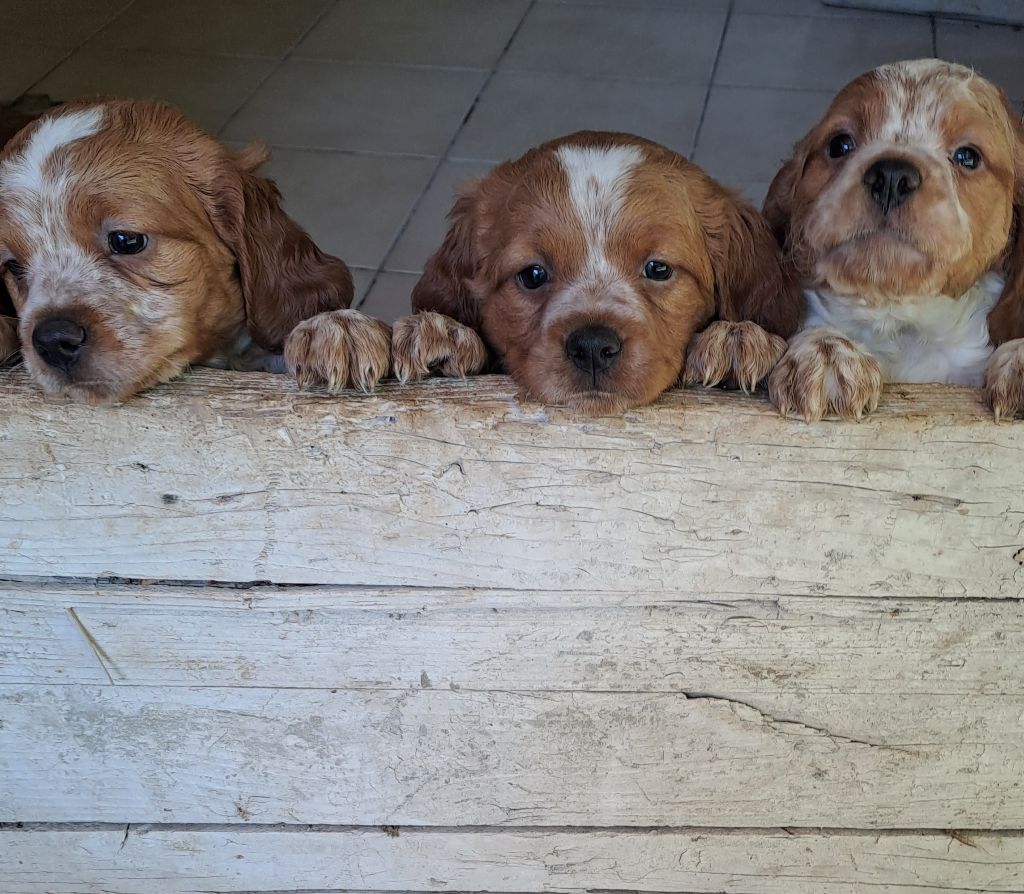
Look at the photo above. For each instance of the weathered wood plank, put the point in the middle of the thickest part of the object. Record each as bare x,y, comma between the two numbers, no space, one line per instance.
741,862
239,477
808,650
431,757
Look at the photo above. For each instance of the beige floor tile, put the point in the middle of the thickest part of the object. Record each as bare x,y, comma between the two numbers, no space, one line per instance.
443,32
996,52
352,205
207,88
755,192
699,6
369,108
23,65
361,279
389,297
520,110
426,228
817,53
234,27
748,133
54,23
645,42
797,8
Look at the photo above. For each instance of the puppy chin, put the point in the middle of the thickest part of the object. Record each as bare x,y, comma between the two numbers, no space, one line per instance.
97,387
609,396
879,264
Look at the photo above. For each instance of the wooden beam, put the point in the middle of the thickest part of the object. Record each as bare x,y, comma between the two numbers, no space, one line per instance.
239,477
878,669
772,861
143,754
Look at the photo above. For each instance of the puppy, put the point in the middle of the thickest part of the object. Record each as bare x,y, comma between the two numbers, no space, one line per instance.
133,244
585,268
901,211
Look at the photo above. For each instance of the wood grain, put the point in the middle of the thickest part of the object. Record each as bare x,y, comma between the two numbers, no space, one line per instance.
690,648
241,478
732,862
443,757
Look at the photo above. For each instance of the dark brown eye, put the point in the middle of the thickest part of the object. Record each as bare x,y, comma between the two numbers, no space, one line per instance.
15,269
657,270
123,242
841,144
532,277
967,157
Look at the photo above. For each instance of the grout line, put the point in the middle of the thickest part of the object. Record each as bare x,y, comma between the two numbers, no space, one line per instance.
711,80
275,68
382,267
377,63
106,24
331,150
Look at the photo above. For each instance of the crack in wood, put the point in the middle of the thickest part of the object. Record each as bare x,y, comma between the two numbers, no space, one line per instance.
101,655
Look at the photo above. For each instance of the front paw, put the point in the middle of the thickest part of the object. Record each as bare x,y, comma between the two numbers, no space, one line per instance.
339,349
428,342
1004,380
8,338
823,373
739,354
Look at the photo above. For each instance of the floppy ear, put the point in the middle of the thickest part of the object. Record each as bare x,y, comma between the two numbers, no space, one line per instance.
445,286
284,277
778,204
752,280
1006,321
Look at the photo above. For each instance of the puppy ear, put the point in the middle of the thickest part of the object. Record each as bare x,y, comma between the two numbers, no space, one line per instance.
1006,321
752,281
284,277
778,204
445,286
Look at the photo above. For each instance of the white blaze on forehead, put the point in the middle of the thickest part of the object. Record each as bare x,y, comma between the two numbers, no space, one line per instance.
26,170
918,96
597,186
36,197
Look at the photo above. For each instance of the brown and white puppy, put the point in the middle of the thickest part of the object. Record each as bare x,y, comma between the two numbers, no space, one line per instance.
901,211
585,268
133,244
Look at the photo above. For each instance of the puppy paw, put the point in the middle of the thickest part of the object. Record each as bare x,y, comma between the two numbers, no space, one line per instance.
427,343
8,338
823,373
339,349
1004,380
739,354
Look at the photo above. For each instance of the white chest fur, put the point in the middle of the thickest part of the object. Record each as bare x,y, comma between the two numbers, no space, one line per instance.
938,339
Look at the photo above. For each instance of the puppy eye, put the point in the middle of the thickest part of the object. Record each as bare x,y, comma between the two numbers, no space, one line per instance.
967,157
840,145
532,277
657,270
15,269
123,242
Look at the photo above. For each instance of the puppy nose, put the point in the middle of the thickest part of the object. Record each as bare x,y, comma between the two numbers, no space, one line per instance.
890,180
59,342
593,348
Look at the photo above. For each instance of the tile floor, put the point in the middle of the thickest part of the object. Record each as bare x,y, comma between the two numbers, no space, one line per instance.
377,109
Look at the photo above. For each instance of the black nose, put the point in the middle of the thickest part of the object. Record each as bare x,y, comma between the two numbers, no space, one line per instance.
59,342
890,180
593,348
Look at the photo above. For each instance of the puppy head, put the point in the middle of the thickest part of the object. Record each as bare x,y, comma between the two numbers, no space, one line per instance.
133,243
589,263
907,186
